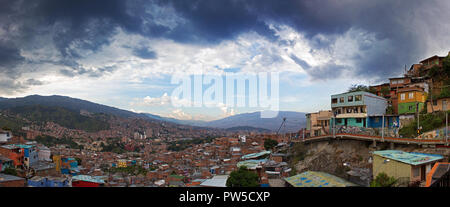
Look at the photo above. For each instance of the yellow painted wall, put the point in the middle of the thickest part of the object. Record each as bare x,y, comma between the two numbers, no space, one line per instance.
392,168
417,97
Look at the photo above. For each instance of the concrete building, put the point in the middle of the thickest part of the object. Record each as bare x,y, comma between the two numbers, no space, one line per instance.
355,108
318,123
442,104
5,136
407,167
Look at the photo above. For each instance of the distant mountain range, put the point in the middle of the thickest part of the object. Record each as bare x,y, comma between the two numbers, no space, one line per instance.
73,104
246,121
294,121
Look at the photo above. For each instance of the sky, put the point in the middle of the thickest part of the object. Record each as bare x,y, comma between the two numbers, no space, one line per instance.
125,53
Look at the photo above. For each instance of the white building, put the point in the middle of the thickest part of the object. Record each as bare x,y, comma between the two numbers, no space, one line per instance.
5,136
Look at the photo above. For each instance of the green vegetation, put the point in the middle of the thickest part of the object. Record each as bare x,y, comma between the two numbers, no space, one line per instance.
270,144
383,180
428,122
181,145
357,87
61,116
50,141
13,124
10,171
441,74
78,160
130,170
113,146
243,178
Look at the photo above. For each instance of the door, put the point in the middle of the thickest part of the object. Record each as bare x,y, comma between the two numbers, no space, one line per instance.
345,122
422,172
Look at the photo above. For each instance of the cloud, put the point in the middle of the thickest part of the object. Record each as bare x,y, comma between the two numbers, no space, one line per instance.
94,38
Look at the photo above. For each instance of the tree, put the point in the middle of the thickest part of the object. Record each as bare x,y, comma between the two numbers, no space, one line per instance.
78,160
357,87
10,171
270,143
243,178
383,180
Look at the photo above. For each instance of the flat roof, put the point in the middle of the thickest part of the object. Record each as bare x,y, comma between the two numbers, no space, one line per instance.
87,178
251,164
411,158
255,155
317,179
6,178
216,181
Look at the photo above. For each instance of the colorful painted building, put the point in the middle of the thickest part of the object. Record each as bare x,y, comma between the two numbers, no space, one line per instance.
411,100
23,156
5,163
439,176
355,108
405,166
66,165
38,181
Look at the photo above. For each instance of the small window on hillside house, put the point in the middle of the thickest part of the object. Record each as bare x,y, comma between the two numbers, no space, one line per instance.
334,100
350,99
341,100
358,98
402,96
411,95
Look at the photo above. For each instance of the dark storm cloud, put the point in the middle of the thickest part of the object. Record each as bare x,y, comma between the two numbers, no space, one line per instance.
87,25
144,53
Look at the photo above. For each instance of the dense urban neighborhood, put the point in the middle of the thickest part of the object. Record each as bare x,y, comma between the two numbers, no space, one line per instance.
392,134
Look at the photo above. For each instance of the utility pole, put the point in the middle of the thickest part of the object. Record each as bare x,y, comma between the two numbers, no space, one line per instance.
418,119
382,128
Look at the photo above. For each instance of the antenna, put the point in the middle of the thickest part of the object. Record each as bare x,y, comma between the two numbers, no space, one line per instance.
282,124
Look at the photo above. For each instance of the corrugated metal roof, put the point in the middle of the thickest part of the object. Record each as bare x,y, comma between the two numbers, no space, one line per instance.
216,181
317,179
412,158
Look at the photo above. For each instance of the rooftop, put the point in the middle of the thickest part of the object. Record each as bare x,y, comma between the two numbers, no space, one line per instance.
6,178
251,164
411,158
87,178
255,155
216,181
317,179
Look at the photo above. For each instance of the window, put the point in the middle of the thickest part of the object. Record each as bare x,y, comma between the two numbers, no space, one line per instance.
349,110
358,120
341,100
358,98
362,109
416,172
410,108
334,100
411,95
350,99
434,102
338,121
402,96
